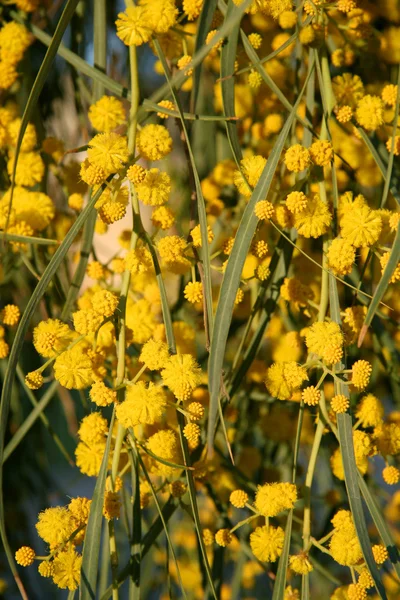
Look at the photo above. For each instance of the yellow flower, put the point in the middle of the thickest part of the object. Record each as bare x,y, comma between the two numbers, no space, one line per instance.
55,525
181,375
380,554
93,428
356,591
369,112
391,475
294,291
284,378
192,432
223,537
8,74
133,26
109,151
341,256
89,458
73,369
161,14
192,8
155,188
297,158
14,40
273,498
112,505
163,217
247,178
30,168
34,380
360,374
46,568
314,220
195,234
136,173
154,354
154,142
143,405
67,570
348,89
193,292
296,202
267,543
387,438
171,249
102,395
389,94
165,445
311,396
51,337
105,302
238,498
345,547
300,564
106,114
340,403
321,153
321,337
138,260
92,174
86,321
29,140
25,556
370,411
10,315
264,210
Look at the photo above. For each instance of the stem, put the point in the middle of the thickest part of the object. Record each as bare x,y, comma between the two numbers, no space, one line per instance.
308,483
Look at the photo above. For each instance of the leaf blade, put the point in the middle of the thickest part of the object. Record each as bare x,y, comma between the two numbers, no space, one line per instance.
91,545
230,283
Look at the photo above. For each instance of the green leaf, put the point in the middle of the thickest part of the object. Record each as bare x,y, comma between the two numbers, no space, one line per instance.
345,431
80,270
13,237
351,474
231,280
160,513
380,524
383,284
280,581
378,161
228,58
91,545
16,348
38,411
203,27
201,209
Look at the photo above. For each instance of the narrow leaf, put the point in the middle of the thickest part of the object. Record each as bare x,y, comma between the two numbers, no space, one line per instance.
203,27
380,524
280,581
91,545
228,58
231,280
383,284
351,474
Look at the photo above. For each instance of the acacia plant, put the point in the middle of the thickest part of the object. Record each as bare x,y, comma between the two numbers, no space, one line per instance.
199,339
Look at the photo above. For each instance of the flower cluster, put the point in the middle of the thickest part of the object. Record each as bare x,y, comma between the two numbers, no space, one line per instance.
206,275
